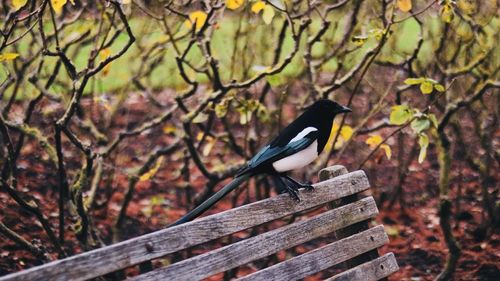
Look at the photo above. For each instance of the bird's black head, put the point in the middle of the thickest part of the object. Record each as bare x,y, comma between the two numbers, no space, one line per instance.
328,107
320,115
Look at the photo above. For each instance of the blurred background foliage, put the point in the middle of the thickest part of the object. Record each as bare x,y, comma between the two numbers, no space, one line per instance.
109,103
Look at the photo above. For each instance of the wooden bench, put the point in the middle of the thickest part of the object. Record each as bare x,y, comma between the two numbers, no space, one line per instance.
351,213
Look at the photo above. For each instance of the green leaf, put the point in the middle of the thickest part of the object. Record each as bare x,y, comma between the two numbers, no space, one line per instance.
278,4
400,114
433,119
419,125
439,87
414,81
426,87
268,14
423,141
275,80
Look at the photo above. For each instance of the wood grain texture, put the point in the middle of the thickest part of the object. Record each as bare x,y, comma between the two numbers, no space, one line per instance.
326,174
160,243
332,172
265,244
370,271
322,258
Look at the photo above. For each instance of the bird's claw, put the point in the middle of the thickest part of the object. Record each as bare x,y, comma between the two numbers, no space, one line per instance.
296,185
308,187
294,194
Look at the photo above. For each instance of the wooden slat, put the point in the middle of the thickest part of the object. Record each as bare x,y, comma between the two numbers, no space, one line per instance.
370,271
160,243
265,244
322,258
331,172
353,229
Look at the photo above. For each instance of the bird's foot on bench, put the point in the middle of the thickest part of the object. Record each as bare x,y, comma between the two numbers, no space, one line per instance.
294,194
291,188
296,185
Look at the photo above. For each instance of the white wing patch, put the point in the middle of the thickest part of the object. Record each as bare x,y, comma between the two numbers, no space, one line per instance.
297,160
304,133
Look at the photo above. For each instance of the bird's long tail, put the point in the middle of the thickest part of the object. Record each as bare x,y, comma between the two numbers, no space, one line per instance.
212,200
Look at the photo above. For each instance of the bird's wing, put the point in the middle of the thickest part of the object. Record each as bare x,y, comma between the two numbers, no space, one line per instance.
270,154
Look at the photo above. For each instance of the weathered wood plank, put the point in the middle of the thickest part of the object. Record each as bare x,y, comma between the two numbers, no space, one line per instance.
356,228
332,172
265,244
322,258
157,244
370,271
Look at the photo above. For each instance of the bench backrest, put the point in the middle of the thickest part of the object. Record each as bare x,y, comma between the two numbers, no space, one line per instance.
166,241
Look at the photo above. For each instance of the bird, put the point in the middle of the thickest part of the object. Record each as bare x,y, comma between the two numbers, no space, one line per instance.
296,146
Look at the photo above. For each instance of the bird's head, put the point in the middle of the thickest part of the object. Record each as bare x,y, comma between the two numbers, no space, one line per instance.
328,107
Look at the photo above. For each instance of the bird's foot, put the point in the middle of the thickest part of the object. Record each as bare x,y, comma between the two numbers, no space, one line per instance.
294,194
291,188
297,185
308,187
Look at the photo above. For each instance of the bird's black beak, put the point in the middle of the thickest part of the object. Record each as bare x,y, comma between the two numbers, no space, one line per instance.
345,109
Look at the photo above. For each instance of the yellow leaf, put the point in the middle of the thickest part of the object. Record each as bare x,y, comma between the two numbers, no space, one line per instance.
387,150
404,5
391,230
345,135
359,40
374,140
447,13
258,6
8,56
149,174
333,132
58,5
199,136
346,132
377,33
234,4
18,4
169,129
104,54
208,146
198,17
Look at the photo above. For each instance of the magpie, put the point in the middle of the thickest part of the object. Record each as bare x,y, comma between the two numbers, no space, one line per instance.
296,146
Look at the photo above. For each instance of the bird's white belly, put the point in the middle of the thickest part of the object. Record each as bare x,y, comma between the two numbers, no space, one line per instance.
297,160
